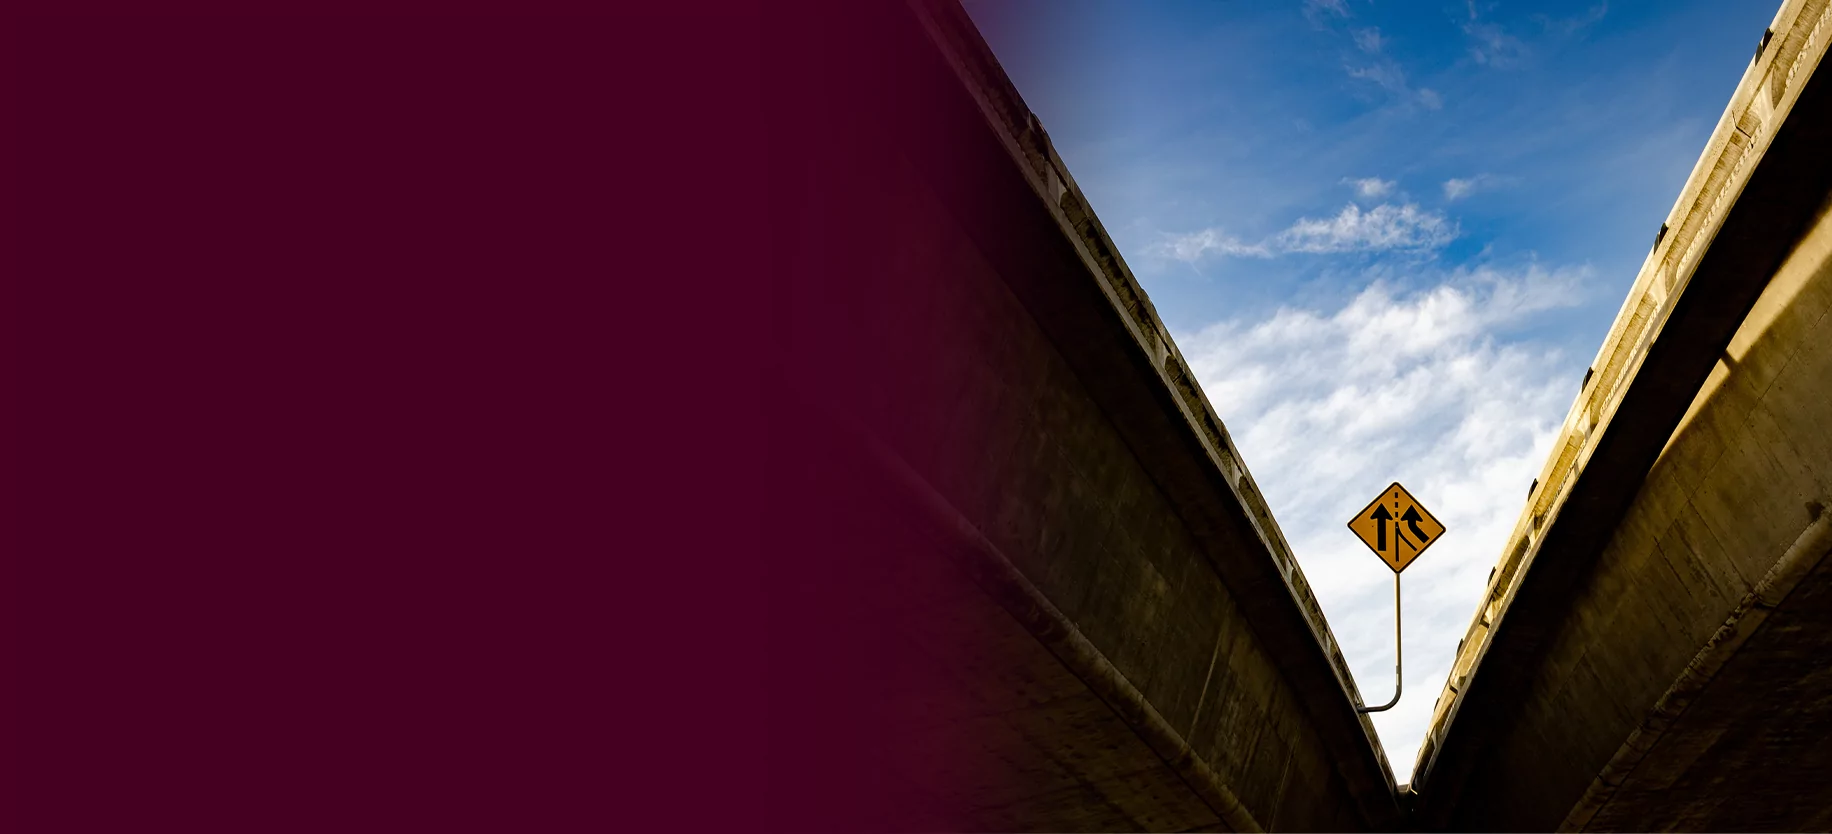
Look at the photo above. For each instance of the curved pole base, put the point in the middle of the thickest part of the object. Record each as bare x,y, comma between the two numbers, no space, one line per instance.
1398,681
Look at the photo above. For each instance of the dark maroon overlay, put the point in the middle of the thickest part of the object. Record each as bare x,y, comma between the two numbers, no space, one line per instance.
463,421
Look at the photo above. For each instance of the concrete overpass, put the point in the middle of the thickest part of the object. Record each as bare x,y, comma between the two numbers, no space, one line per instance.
1653,651
1072,536
1096,622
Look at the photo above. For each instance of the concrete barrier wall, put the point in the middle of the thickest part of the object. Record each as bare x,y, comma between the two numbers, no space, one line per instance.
1579,615
1749,468
987,369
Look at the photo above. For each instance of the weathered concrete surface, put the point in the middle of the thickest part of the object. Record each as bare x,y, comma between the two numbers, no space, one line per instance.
1066,528
1652,653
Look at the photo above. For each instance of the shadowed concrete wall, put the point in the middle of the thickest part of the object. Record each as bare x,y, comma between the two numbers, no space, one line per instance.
1651,654
1096,623
1747,475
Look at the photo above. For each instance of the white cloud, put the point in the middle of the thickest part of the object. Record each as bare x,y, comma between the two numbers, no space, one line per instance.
1457,189
1388,76
1193,246
1368,40
1386,227
1328,407
1371,187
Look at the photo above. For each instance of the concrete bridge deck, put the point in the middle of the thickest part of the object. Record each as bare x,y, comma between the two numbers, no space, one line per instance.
1647,656
1135,644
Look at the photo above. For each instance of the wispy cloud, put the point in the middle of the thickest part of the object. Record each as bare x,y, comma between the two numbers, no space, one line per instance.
1568,27
1194,246
1329,406
1371,187
1491,45
1386,74
1386,227
1381,228
1383,71
1457,188
1317,10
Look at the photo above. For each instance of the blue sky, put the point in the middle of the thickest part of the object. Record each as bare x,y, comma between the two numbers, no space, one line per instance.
1389,237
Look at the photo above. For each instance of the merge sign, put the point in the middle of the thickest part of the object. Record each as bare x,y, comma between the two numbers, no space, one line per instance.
1396,527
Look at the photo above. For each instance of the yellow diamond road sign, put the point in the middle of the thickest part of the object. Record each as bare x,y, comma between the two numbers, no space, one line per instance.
1396,527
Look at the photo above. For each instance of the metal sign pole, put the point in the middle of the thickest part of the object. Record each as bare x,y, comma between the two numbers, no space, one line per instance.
1398,648
1370,525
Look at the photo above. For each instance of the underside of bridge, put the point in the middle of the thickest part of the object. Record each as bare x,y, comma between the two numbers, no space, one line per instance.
1653,651
1096,622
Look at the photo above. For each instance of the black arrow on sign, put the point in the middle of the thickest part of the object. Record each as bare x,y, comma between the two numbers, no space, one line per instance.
1412,519
1380,517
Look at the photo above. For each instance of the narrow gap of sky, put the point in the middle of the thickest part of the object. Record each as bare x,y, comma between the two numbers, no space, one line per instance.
1388,237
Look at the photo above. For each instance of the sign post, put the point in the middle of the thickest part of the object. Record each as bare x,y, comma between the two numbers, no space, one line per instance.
1397,528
